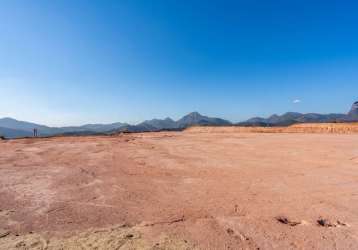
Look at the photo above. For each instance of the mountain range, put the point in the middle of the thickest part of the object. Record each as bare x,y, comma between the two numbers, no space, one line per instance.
290,118
11,128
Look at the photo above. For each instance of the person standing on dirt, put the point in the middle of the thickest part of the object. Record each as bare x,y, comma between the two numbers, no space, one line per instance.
35,132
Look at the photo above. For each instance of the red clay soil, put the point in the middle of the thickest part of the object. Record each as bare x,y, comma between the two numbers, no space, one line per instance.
206,190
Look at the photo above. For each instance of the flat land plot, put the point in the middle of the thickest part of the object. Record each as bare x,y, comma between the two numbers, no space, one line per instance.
180,190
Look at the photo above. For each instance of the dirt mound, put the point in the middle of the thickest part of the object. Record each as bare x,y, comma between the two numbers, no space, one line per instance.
337,128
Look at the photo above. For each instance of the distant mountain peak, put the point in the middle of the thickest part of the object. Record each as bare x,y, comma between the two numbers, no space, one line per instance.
158,124
169,120
354,110
194,114
195,118
292,113
273,116
8,119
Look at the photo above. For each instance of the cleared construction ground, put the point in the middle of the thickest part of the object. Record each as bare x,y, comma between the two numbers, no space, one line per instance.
204,188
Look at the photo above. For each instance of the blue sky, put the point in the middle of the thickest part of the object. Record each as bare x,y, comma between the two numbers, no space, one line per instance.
75,62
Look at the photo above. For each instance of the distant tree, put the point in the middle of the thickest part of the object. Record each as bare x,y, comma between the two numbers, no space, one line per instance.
2,137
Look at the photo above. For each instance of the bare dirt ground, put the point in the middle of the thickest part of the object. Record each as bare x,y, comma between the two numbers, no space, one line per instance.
335,128
180,190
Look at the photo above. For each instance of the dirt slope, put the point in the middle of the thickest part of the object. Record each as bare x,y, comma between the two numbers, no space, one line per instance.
336,128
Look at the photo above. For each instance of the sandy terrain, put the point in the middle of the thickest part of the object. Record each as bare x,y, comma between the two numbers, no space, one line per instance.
327,128
180,190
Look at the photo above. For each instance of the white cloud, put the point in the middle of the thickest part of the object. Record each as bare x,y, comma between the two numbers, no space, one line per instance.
296,101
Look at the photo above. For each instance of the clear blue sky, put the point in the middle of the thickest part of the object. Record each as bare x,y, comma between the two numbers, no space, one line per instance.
74,62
